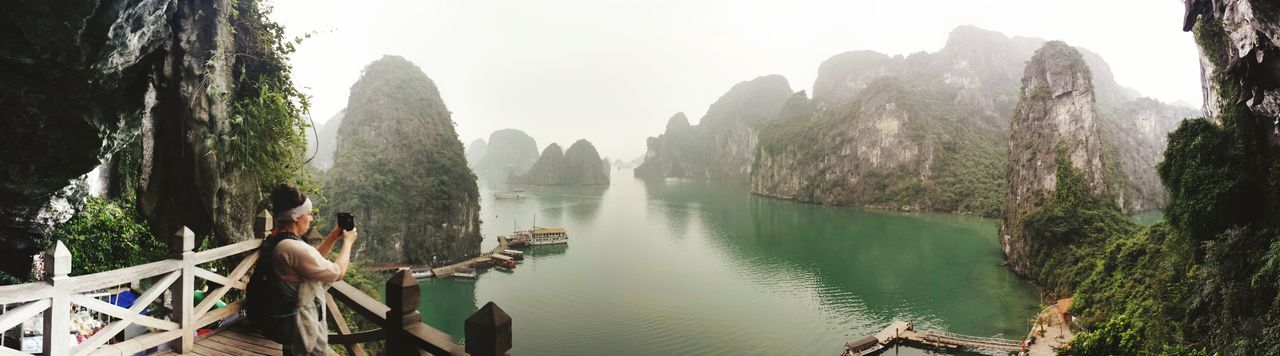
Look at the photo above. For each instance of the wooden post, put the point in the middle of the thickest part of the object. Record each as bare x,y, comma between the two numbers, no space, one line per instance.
180,247
262,224
402,299
488,331
57,319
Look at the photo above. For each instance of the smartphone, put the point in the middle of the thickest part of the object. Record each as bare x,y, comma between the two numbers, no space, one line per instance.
346,221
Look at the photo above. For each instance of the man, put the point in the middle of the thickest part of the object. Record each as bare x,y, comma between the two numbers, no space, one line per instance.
302,272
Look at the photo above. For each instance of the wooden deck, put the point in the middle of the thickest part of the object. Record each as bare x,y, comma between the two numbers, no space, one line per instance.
447,271
237,340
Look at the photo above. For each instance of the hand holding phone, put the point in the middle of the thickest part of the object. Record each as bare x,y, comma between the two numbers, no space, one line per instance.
346,221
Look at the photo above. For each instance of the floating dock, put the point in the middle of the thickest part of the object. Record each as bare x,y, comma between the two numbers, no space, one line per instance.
447,271
903,332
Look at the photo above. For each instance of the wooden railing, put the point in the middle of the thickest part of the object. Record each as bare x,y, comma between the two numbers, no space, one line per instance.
171,285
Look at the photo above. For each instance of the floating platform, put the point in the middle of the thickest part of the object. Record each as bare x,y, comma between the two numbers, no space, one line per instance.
904,332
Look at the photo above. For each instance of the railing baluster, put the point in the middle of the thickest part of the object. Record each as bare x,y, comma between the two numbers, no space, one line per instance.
57,319
402,299
180,246
488,331
262,224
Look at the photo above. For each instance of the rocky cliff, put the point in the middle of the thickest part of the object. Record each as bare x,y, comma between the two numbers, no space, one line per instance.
1056,116
151,88
1246,33
928,131
476,152
321,144
579,165
723,144
1134,143
510,152
399,167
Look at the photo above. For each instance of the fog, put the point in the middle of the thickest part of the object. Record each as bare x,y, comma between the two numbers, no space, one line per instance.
613,71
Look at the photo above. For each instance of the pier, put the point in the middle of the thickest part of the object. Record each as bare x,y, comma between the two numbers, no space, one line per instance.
904,332
446,271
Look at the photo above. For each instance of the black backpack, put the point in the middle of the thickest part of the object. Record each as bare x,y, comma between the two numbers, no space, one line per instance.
269,309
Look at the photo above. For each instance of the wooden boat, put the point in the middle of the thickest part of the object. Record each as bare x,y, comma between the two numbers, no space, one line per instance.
502,261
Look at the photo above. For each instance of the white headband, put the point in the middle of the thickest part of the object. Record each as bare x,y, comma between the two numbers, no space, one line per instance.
295,213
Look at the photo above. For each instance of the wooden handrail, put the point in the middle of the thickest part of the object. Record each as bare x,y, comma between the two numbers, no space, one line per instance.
227,251
488,331
102,280
22,293
359,302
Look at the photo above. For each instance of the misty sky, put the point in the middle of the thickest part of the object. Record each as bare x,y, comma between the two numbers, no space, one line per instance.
614,71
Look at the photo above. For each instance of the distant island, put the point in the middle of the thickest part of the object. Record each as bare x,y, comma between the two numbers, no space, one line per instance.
579,165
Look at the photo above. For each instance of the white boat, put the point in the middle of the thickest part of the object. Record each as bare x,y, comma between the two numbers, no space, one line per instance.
515,254
539,236
510,194
422,273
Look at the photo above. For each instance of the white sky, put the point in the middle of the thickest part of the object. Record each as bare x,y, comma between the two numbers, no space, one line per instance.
614,71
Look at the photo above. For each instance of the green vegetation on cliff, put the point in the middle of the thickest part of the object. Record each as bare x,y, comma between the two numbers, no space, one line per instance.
399,167
578,165
267,121
918,148
106,235
1209,279
1074,217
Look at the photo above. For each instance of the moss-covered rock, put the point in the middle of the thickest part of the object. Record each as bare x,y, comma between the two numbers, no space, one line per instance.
399,167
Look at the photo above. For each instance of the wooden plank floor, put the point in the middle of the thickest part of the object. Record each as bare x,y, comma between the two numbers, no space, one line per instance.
236,340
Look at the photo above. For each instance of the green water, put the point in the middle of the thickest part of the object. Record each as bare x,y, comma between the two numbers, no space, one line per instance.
694,268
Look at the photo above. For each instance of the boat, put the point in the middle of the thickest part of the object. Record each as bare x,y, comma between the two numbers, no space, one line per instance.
465,272
539,236
503,262
510,194
515,254
420,273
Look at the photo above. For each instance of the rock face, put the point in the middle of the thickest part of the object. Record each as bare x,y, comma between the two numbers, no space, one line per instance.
66,87
399,167
85,80
476,152
1055,116
326,139
510,152
924,131
680,152
579,165
723,144
1249,54
1134,145
929,130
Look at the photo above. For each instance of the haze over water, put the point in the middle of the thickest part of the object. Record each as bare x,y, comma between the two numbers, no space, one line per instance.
699,267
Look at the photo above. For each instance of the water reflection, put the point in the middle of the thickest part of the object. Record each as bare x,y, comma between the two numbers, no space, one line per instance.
672,201
555,204
545,251
938,270
700,267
